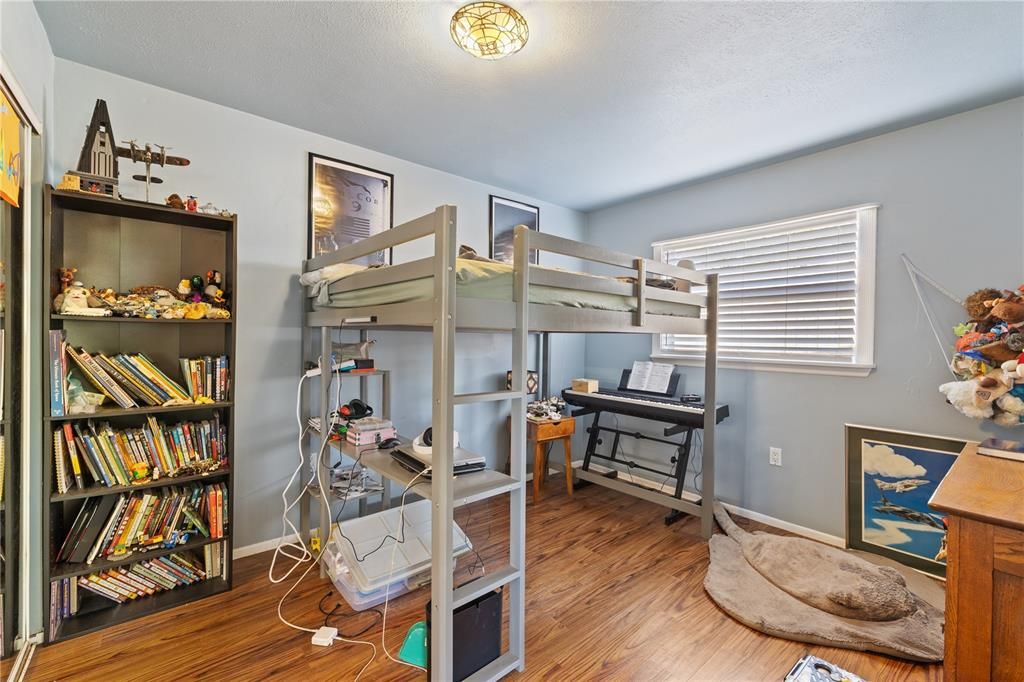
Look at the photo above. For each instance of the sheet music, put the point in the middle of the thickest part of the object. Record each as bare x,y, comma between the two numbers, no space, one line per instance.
649,376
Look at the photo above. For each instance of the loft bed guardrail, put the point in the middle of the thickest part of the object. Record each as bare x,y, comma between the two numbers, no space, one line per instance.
487,314
538,299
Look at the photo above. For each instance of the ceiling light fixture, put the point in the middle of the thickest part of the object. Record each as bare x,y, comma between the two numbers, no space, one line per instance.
489,30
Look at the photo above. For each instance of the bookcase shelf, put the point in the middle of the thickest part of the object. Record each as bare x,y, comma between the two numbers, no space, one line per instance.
124,244
136,320
96,618
101,490
107,413
72,570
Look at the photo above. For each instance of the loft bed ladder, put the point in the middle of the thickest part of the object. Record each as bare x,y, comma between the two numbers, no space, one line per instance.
444,596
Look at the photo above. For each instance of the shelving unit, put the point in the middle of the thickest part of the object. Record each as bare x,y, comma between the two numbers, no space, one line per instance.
347,450
11,320
123,244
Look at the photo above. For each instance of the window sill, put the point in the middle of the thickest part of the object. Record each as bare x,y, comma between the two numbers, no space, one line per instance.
844,370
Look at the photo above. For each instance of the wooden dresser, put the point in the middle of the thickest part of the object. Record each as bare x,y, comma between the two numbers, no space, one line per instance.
984,498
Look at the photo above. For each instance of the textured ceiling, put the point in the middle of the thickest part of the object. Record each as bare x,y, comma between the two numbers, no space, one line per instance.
607,100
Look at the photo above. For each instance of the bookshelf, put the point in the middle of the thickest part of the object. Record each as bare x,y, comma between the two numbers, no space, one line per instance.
11,240
123,244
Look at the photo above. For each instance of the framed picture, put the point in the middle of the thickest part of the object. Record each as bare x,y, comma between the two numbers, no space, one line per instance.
347,203
890,476
506,214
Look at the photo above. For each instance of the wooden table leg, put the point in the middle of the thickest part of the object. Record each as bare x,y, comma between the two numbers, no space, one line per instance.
567,444
538,469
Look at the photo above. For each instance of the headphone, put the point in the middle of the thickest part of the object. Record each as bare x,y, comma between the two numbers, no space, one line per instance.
423,443
355,409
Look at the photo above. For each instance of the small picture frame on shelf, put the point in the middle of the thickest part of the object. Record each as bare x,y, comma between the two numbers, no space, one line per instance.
890,476
505,215
346,204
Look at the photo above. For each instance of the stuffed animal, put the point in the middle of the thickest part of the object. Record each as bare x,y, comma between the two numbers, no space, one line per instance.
75,301
174,201
961,395
975,303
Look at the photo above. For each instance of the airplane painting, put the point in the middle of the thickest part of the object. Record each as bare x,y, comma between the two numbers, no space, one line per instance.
892,477
903,486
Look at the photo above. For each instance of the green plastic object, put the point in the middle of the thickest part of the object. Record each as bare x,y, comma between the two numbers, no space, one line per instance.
414,648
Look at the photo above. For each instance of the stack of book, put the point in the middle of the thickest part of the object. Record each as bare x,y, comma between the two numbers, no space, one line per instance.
129,455
114,527
126,583
369,430
206,377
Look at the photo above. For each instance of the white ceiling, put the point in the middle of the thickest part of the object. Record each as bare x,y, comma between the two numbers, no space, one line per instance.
608,99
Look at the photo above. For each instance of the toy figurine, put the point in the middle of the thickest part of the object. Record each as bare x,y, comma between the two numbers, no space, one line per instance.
191,204
174,201
67,276
214,294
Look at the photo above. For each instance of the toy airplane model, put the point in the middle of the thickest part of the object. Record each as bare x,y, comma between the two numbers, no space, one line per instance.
146,154
902,486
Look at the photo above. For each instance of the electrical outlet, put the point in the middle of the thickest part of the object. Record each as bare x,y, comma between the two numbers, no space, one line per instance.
775,456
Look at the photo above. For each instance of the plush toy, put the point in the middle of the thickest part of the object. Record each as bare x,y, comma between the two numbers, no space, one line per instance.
975,303
961,395
75,301
174,201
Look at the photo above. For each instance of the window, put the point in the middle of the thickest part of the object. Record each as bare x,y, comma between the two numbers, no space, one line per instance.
794,295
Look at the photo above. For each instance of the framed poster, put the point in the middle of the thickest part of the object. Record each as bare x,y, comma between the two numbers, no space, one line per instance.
890,476
347,203
506,214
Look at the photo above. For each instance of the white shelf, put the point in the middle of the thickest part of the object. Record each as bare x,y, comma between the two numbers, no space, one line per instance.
468,488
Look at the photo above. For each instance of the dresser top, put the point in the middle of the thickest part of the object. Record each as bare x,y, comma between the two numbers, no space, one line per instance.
989,489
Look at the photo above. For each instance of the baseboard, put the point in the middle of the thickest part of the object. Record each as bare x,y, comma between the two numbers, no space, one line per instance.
265,546
803,531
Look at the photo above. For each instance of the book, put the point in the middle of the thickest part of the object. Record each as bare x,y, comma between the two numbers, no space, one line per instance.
1007,449
72,448
58,373
60,465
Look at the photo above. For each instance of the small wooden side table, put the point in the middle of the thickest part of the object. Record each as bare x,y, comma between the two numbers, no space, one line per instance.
539,434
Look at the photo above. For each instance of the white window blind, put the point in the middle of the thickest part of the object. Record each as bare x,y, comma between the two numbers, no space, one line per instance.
797,292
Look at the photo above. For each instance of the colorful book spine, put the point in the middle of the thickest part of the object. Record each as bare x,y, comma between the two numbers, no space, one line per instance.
57,373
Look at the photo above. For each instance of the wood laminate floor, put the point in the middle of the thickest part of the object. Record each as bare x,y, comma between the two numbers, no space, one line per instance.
612,594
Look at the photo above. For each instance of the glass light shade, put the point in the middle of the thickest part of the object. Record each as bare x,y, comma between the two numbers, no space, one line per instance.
489,30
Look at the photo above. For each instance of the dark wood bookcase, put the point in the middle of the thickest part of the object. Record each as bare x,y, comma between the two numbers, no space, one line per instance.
11,244
123,244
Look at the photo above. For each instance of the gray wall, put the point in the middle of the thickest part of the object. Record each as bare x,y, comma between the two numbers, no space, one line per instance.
257,168
27,54
951,199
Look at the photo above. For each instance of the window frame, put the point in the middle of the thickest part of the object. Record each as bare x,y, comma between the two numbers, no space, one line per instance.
866,216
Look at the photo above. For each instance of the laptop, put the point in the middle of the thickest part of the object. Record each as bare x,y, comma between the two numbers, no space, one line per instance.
465,462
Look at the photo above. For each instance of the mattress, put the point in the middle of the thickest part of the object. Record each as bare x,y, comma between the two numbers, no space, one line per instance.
483,280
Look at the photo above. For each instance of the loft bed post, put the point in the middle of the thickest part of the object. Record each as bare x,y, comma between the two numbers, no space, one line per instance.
517,447
323,471
443,424
707,492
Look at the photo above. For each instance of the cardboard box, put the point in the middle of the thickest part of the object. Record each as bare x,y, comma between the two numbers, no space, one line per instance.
584,385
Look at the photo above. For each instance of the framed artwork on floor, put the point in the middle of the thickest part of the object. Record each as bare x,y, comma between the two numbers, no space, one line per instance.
506,214
347,203
890,476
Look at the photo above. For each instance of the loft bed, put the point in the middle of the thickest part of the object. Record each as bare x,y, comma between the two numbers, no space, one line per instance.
446,294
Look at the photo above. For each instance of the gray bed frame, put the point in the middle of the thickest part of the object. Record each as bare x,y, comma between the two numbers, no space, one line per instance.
448,314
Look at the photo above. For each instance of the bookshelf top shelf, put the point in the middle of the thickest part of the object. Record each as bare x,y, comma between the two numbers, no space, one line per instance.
139,210
142,320
119,412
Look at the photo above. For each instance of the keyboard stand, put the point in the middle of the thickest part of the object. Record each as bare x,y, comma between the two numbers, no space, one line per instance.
680,461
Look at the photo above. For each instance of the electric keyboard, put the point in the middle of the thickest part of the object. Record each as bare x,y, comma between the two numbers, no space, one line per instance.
647,407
